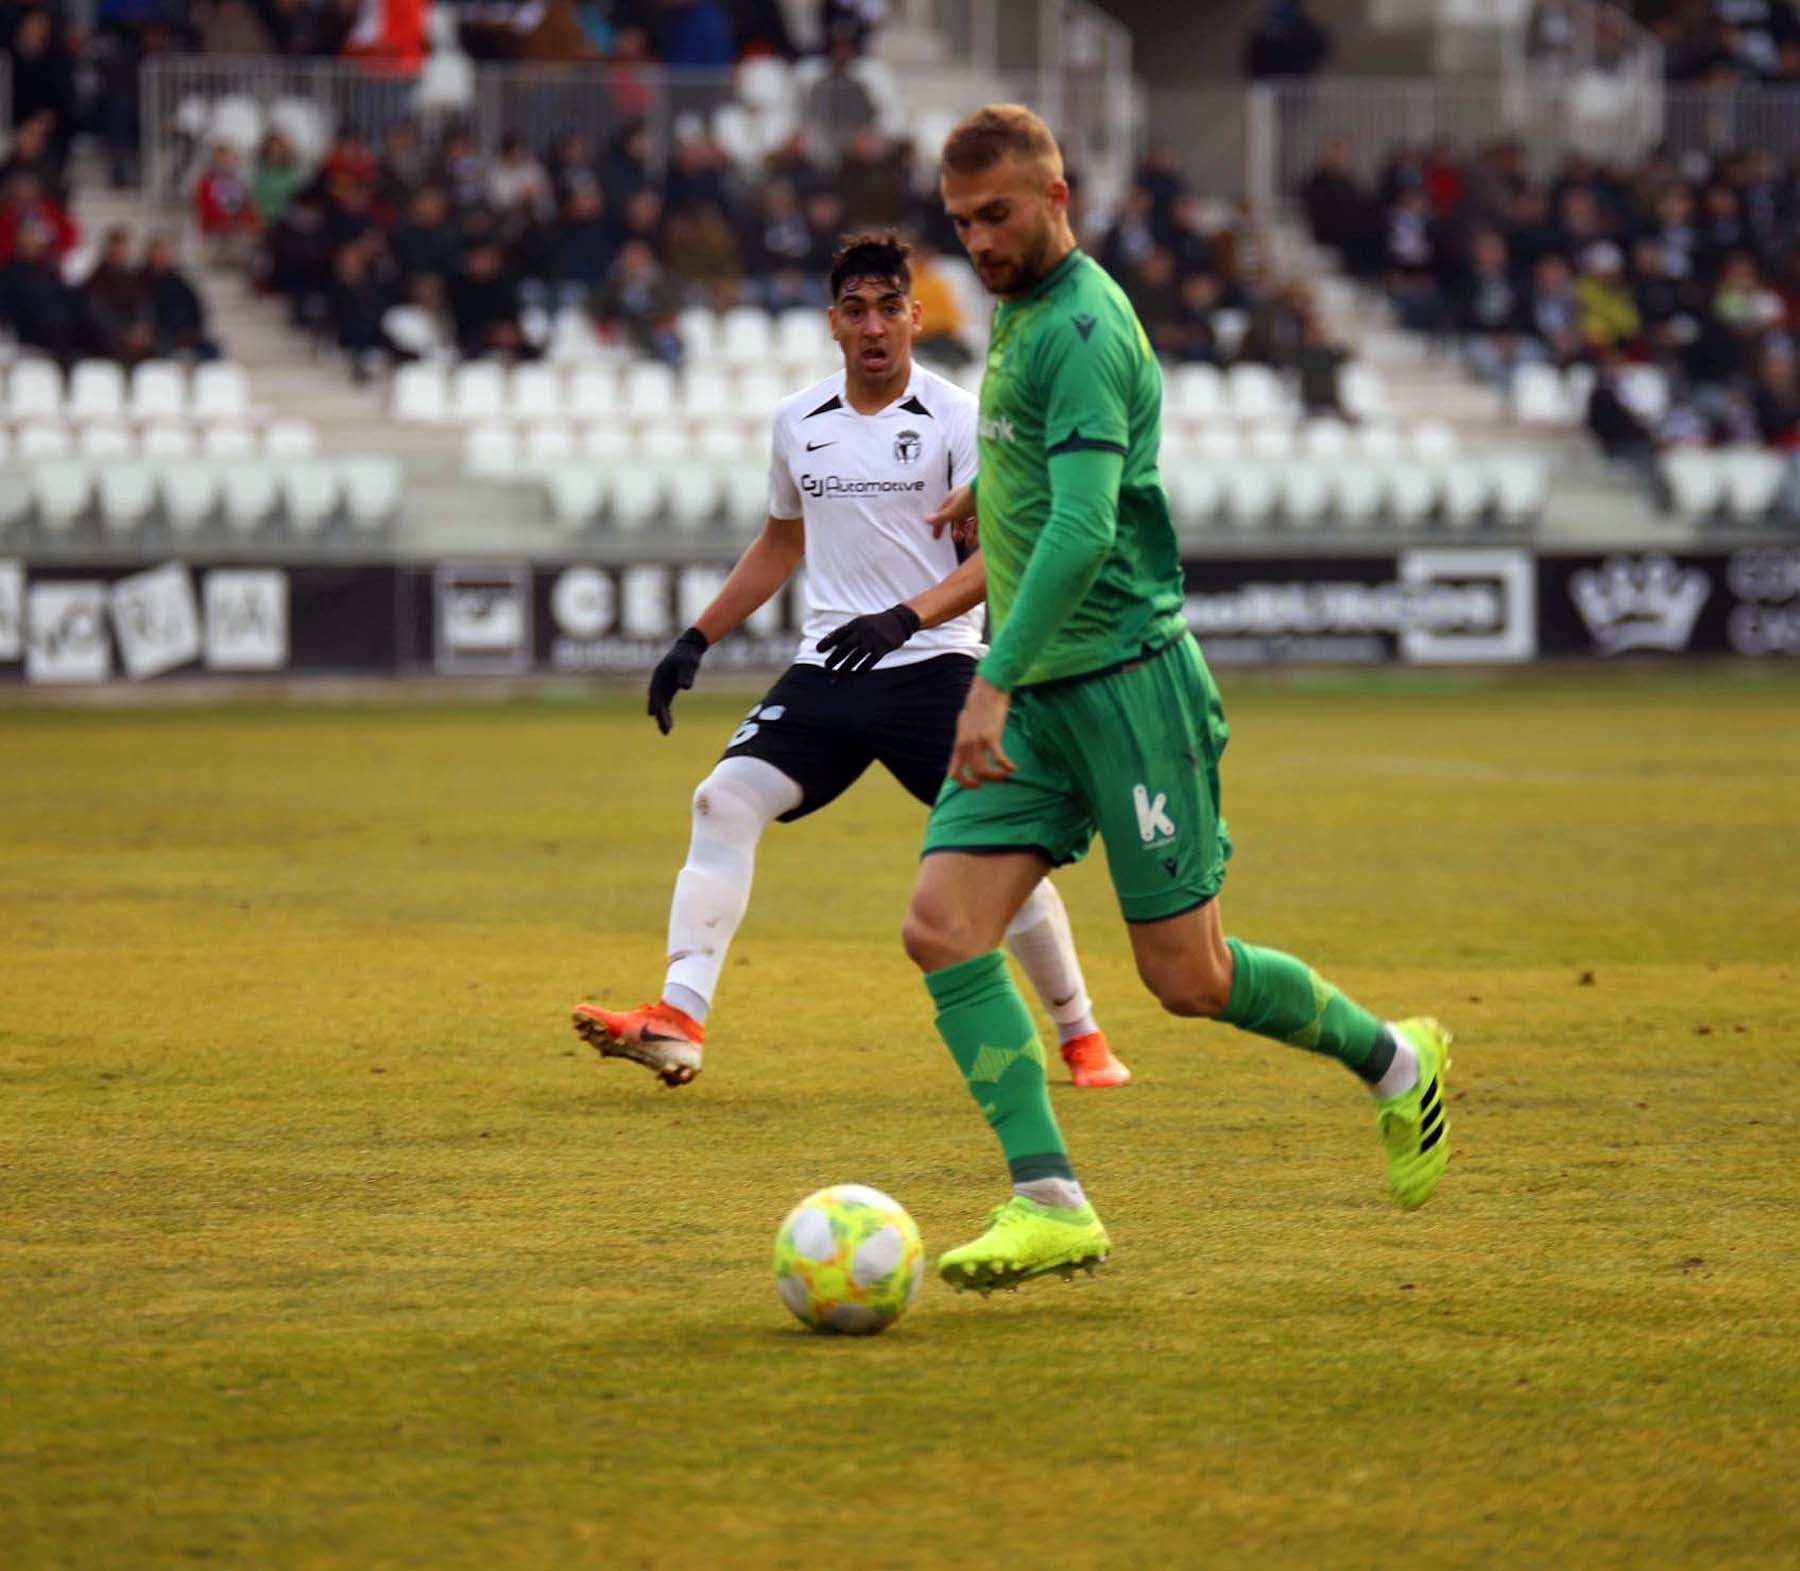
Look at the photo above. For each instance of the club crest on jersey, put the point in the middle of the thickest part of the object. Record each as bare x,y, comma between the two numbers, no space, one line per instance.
907,447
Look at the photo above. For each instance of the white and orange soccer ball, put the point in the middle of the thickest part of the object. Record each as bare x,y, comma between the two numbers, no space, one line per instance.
848,1259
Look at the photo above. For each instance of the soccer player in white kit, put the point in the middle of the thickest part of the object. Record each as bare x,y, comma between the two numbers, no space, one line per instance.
892,633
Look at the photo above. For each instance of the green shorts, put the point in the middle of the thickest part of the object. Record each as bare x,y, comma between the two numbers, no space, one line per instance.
1133,753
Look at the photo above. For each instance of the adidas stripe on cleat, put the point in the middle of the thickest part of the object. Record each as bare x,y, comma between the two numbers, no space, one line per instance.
659,1036
1415,1125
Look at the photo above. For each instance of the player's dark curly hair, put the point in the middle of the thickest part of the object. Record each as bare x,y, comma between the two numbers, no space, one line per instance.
879,254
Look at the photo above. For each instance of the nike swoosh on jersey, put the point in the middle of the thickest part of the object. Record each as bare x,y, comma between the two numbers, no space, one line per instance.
813,447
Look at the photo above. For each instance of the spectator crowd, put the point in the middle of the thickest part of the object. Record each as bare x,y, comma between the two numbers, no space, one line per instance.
1693,267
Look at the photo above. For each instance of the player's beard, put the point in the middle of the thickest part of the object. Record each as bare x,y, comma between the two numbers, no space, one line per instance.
1033,263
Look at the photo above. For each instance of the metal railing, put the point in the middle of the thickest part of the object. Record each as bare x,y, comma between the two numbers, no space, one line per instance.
1084,90
1066,58
1547,119
1733,116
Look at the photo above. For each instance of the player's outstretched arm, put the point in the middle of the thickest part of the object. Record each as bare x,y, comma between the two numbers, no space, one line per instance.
765,566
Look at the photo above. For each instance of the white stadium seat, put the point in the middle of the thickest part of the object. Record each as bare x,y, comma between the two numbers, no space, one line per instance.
159,391
665,444
1644,390
1361,393
34,391
40,439
724,445
745,337
1521,483
1434,440
648,391
15,499
573,340
1255,393
96,391
1326,438
593,393
535,394
574,492
1540,398
62,487
1464,488
1696,481
166,444
1250,494
547,446
105,444
491,452
803,339
478,391
1411,491
248,493
693,495
759,390
606,445
420,393
190,492
1271,443
1305,491
1219,444
636,493
1358,489
219,391
706,395
1753,480
228,443
309,494
698,329
372,490
1195,491
1380,442
747,494
288,439
1196,393
127,495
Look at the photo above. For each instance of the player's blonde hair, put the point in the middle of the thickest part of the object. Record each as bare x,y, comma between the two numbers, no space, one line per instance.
998,131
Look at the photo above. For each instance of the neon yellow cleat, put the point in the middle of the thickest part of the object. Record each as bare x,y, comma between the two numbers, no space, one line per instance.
1024,1240
1415,1126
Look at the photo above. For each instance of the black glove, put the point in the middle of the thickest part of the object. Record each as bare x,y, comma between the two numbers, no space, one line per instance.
674,673
863,640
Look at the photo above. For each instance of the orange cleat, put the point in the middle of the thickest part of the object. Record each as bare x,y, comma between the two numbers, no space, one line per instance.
1091,1061
658,1036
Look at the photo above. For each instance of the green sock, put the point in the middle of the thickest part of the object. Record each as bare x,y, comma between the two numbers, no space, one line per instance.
1273,994
989,1032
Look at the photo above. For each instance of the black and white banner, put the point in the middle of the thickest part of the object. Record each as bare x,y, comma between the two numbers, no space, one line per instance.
77,623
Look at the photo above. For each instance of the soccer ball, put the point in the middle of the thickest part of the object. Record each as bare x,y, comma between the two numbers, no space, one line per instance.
848,1259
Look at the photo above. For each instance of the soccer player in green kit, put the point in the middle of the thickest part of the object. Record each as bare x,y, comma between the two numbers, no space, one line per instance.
1094,711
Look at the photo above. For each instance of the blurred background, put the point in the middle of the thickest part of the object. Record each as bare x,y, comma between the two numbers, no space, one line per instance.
382,336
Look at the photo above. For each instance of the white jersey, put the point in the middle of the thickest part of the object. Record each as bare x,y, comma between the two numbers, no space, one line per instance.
863,484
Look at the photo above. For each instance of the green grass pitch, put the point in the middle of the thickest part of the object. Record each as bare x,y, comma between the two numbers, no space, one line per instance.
324,1244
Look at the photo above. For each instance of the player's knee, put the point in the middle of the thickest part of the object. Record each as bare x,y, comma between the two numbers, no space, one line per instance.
933,937
726,811
1194,990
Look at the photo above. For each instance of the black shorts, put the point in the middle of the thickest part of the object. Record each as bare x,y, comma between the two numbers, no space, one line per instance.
822,731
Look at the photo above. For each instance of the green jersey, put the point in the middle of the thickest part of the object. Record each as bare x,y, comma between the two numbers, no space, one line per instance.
1083,572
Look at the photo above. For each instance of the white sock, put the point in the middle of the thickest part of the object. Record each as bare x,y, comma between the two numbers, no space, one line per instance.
1065,1192
1403,1073
1040,938
732,806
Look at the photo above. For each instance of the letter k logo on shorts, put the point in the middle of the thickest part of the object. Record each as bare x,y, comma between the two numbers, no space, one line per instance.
1153,822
